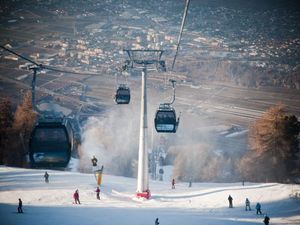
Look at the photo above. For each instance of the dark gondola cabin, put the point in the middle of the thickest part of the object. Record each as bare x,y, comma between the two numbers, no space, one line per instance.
51,144
122,94
165,119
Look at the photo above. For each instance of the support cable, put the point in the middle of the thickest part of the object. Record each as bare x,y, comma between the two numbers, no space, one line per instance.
181,31
41,66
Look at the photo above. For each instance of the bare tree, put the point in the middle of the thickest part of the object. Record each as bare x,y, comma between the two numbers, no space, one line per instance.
273,140
24,119
197,162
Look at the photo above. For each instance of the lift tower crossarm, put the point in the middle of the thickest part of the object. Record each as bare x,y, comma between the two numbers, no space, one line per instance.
160,64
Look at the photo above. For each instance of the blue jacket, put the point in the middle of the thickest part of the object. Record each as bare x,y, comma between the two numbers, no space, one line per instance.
258,206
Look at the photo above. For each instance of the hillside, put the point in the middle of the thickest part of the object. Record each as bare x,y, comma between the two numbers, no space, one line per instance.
203,203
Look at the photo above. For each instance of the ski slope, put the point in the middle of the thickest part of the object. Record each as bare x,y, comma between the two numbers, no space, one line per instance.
203,203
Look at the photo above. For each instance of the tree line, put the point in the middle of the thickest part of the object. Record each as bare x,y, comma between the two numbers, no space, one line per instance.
272,154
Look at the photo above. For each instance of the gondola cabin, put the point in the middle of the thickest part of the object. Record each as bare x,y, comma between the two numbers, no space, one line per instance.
51,144
122,94
165,119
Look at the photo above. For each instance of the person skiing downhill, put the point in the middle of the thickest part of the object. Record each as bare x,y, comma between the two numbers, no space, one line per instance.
190,182
76,197
266,220
247,202
173,183
230,201
20,210
258,208
46,176
156,221
98,193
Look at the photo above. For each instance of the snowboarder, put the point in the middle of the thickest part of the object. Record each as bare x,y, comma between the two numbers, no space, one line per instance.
98,193
266,220
173,183
94,161
247,205
76,197
258,208
156,221
230,201
20,210
46,176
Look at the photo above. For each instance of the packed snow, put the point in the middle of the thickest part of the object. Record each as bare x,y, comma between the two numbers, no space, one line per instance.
203,203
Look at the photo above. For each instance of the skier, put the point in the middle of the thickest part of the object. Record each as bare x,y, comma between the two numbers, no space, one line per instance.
258,208
230,201
76,197
46,176
247,205
190,182
98,193
20,206
94,161
173,183
266,220
161,173
156,221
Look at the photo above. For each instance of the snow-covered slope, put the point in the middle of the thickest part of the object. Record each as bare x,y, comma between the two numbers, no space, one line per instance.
203,203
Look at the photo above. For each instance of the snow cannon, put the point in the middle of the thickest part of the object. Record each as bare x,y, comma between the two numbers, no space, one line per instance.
98,176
